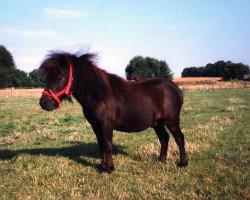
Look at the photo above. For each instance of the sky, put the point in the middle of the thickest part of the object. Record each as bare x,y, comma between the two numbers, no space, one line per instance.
184,33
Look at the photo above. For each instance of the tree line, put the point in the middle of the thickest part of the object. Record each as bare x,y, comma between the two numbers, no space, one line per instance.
226,70
10,76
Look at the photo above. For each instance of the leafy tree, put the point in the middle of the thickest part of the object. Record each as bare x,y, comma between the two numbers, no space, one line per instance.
147,67
35,78
6,59
9,75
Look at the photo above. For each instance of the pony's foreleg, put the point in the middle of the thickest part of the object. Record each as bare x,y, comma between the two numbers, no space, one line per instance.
164,138
104,137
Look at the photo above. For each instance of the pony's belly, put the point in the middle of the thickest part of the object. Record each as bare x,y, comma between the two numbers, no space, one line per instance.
135,125
129,129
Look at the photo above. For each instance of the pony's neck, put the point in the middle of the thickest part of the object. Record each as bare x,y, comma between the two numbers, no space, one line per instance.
90,83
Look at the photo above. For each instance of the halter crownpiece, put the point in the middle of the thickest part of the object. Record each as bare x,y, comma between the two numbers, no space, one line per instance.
66,90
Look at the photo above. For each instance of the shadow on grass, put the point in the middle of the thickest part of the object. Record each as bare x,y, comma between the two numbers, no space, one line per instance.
78,152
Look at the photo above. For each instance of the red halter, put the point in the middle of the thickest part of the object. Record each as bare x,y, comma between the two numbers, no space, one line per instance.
64,91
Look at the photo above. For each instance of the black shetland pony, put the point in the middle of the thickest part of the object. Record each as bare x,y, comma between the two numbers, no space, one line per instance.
112,103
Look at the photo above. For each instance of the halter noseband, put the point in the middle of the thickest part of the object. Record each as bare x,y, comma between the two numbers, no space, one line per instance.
63,91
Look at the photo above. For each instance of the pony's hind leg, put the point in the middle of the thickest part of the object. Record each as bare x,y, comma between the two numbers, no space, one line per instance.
164,138
179,139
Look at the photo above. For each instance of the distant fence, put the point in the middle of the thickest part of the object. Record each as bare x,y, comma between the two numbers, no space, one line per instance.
214,86
192,80
21,92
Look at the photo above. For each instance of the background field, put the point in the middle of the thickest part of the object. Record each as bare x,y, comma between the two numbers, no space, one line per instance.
53,155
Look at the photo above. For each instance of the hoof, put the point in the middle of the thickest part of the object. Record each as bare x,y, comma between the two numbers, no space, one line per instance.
162,160
105,170
182,164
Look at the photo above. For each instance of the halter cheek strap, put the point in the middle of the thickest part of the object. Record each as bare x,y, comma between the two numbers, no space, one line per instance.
66,90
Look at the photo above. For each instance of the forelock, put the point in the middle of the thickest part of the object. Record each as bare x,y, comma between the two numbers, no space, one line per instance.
53,61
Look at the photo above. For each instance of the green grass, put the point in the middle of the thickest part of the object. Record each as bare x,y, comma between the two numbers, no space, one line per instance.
53,155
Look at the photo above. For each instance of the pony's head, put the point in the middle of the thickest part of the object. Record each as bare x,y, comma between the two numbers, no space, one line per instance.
57,70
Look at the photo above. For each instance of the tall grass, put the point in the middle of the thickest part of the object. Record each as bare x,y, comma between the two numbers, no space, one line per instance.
53,155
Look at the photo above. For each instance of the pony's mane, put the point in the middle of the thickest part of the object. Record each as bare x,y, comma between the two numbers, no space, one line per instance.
103,82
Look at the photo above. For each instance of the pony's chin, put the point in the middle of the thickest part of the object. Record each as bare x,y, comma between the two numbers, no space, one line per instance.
48,109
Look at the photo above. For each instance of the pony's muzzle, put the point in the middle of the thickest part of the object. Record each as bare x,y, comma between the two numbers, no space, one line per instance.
47,103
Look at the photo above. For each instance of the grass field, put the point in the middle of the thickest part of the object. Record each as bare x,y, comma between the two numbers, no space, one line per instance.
54,155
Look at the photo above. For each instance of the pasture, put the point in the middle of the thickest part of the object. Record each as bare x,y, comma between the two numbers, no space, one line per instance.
53,155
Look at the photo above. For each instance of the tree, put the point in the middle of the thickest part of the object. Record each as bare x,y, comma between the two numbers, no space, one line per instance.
35,78
147,67
6,59
9,75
